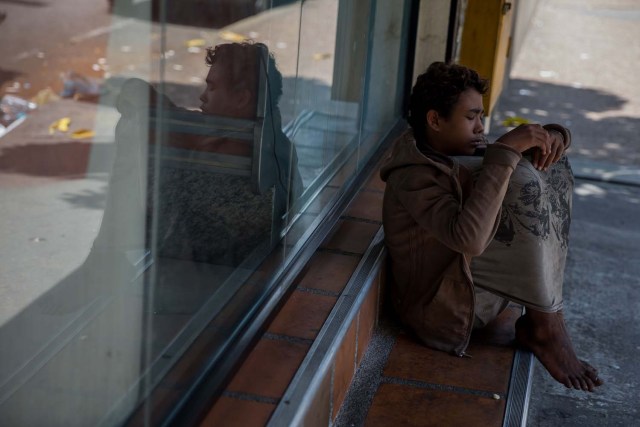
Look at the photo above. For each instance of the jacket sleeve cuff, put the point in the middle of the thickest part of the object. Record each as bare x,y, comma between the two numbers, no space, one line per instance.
566,134
502,154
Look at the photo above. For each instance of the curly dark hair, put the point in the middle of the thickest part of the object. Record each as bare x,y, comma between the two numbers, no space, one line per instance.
439,88
241,61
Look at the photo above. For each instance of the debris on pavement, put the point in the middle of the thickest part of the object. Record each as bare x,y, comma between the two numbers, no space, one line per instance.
195,43
45,96
61,125
82,134
230,36
13,111
79,86
515,121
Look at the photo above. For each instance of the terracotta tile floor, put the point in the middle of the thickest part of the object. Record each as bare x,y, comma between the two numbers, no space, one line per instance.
424,387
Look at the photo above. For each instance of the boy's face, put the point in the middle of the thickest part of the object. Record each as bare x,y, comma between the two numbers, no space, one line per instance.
218,99
462,132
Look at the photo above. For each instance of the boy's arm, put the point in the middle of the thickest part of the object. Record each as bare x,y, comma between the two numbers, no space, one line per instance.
436,206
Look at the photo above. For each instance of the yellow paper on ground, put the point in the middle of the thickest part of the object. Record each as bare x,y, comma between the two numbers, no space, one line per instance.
232,37
61,125
195,43
82,134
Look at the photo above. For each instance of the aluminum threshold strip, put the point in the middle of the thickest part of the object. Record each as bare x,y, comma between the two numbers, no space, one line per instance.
298,398
517,405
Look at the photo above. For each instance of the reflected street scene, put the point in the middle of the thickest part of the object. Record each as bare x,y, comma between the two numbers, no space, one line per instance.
162,164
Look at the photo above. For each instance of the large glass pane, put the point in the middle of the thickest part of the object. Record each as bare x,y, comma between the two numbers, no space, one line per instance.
153,194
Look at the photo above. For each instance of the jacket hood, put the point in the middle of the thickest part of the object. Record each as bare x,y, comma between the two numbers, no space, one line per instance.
406,153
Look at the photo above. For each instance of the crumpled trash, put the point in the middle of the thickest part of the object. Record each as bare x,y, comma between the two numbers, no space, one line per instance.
515,121
230,36
45,96
13,108
195,43
82,134
61,125
79,86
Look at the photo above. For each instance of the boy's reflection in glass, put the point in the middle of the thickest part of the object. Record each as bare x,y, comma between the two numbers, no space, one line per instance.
206,219
213,216
168,194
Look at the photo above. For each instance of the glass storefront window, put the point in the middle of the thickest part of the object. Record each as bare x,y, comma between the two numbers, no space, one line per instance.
157,192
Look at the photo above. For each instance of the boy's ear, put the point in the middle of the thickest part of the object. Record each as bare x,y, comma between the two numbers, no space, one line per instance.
433,120
243,98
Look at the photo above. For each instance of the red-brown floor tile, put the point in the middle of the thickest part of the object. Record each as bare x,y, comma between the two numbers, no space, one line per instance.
368,318
487,369
303,315
352,236
366,205
344,367
269,368
230,412
399,405
329,272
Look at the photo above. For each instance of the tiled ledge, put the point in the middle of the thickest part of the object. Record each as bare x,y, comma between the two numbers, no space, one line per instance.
264,381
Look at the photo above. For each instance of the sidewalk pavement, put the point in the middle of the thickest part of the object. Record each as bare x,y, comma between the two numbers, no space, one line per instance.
575,68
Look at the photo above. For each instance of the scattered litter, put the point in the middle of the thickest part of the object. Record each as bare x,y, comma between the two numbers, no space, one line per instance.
281,45
13,87
125,49
61,125
177,67
77,85
95,67
496,396
515,121
37,239
194,49
82,134
230,36
253,34
321,56
195,43
13,108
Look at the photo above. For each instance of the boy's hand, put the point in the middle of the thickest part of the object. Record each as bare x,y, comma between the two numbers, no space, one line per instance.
543,161
528,136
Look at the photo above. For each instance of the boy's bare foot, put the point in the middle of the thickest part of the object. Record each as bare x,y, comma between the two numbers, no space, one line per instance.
546,336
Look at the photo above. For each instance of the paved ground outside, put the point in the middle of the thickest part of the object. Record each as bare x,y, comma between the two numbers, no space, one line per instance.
578,67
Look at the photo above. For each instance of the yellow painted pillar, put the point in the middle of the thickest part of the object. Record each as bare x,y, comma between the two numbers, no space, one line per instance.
486,37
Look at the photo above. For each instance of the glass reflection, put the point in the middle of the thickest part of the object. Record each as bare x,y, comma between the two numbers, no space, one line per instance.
210,193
